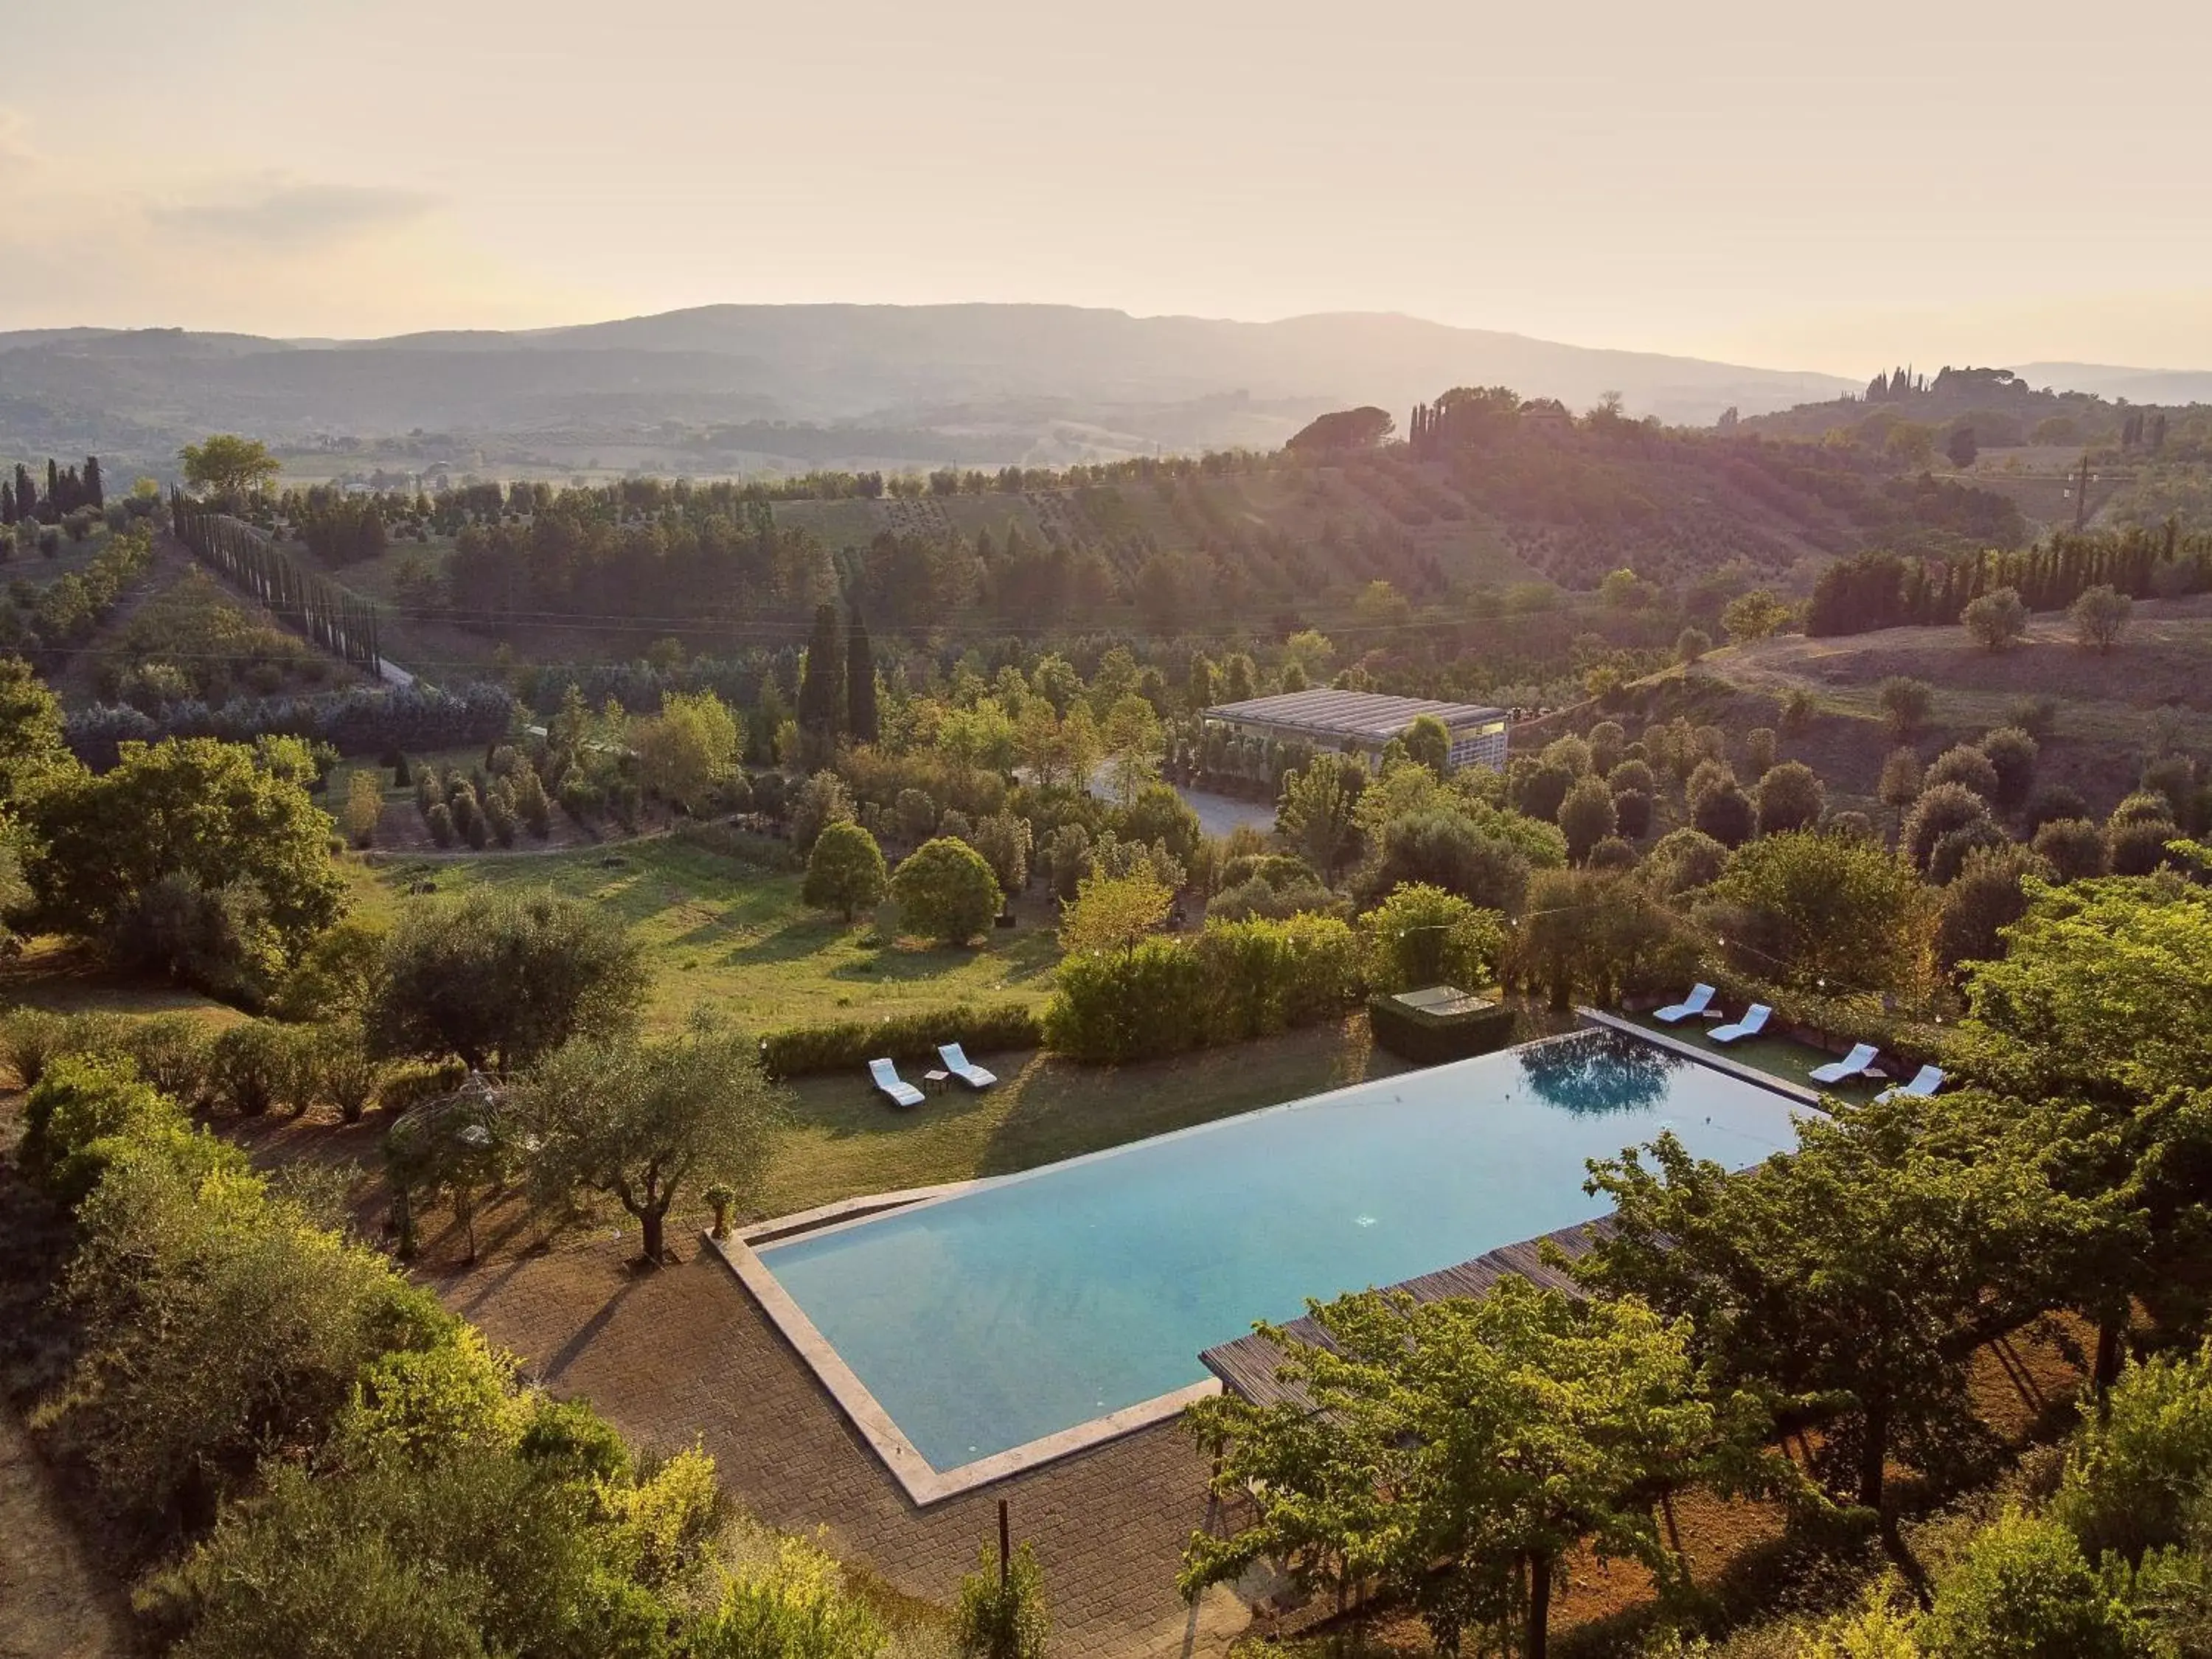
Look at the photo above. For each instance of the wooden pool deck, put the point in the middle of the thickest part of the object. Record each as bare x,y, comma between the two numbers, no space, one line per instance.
1247,1365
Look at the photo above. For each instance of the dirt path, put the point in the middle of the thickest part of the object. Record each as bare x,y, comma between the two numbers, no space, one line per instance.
52,1604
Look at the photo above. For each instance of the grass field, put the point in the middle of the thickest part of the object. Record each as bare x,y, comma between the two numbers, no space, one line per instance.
737,940
845,1140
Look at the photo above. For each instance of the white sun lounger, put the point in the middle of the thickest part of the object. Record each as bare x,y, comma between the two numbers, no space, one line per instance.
902,1092
1853,1064
1926,1081
1752,1023
1700,997
958,1063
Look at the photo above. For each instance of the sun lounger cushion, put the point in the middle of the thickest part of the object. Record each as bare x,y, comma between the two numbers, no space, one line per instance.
1700,997
1753,1021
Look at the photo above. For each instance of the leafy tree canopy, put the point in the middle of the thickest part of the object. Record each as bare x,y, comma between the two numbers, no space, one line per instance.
500,977
1458,1450
226,464
194,809
646,1122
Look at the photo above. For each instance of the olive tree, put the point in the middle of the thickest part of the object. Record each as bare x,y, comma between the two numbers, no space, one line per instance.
2100,617
1997,620
499,977
644,1122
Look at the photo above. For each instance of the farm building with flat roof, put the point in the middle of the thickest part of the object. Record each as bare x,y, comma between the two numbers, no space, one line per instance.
1360,722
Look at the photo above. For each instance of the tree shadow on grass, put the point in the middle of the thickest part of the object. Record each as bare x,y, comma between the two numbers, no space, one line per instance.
795,941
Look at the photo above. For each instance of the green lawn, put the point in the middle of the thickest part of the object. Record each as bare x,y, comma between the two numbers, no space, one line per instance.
723,936
1776,1056
845,1140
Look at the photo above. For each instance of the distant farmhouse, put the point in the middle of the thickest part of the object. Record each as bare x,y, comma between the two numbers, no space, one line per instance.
1359,723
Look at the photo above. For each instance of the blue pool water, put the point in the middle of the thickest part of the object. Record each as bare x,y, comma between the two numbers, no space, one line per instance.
1042,1300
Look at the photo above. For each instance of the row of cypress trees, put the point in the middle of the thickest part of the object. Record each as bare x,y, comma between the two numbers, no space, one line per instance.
340,621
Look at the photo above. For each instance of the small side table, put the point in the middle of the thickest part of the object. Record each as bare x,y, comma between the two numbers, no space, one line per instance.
937,1080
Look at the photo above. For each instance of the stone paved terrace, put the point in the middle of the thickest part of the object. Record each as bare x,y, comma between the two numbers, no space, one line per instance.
686,1353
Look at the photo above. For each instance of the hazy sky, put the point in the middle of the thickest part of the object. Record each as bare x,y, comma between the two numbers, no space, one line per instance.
1830,186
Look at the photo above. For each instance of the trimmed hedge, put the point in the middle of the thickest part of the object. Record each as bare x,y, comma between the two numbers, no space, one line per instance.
1236,980
797,1050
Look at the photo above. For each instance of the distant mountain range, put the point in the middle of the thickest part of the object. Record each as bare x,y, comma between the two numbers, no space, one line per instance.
988,383
725,389
2138,385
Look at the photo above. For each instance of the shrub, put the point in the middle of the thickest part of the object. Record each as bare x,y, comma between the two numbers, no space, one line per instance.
2023,1589
2060,801
1632,773
1986,895
2034,715
2173,777
1941,809
845,871
1004,842
1135,1005
1690,644
1421,936
216,1322
2072,848
32,1039
1001,1615
1587,816
1256,898
1683,861
821,800
80,1102
174,1052
1997,620
1790,797
1759,749
945,892
2133,1474
2139,846
917,815
793,1605
798,1050
251,1065
2012,752
1632,814
1906,704
1954,848
1963,763
1261,977
2100,616
1724,811
1446,850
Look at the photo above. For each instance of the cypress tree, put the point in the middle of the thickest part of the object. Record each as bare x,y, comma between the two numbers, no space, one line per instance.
6,502
859,682
27,494
818,691
95,493
53,491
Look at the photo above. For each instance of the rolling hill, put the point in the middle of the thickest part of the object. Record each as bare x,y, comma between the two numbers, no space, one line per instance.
702,391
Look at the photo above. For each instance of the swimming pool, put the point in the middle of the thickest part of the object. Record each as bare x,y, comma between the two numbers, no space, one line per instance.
1022,1307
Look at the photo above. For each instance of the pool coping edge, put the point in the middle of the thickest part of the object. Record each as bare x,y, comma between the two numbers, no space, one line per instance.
1719,1062
923,1483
